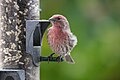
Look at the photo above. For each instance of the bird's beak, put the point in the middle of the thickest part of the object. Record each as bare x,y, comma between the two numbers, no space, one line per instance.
52,19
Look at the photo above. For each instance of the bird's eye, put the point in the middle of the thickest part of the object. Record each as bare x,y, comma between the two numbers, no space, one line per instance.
58,18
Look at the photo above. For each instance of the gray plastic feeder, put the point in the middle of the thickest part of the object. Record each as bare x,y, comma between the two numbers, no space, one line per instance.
34,33
12,74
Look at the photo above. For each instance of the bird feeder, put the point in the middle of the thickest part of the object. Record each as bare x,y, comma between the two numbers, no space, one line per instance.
21,34
34,33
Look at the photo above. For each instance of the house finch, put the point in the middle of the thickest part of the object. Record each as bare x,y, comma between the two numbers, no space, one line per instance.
60,37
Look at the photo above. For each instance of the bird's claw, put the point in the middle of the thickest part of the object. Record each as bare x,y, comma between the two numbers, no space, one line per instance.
59,59
50,57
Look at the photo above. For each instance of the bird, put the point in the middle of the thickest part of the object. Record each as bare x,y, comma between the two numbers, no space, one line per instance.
60,38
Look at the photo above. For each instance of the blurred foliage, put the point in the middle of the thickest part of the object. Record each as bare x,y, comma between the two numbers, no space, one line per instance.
96,23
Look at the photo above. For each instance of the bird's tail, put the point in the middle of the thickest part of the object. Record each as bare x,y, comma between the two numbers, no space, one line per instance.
69,59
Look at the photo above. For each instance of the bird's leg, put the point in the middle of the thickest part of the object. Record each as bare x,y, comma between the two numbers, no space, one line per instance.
59,58
50,57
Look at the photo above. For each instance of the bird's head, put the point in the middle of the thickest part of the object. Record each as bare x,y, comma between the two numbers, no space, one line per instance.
59,21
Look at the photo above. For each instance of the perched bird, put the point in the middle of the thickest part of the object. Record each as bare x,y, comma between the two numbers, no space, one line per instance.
60,37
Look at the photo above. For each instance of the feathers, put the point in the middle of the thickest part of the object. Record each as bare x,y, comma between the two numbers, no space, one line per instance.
69,59
60,38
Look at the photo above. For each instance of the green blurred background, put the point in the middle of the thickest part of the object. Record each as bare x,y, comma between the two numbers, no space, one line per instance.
96,23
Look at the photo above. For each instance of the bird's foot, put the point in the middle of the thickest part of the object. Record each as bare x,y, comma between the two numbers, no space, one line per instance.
50,57
59,59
